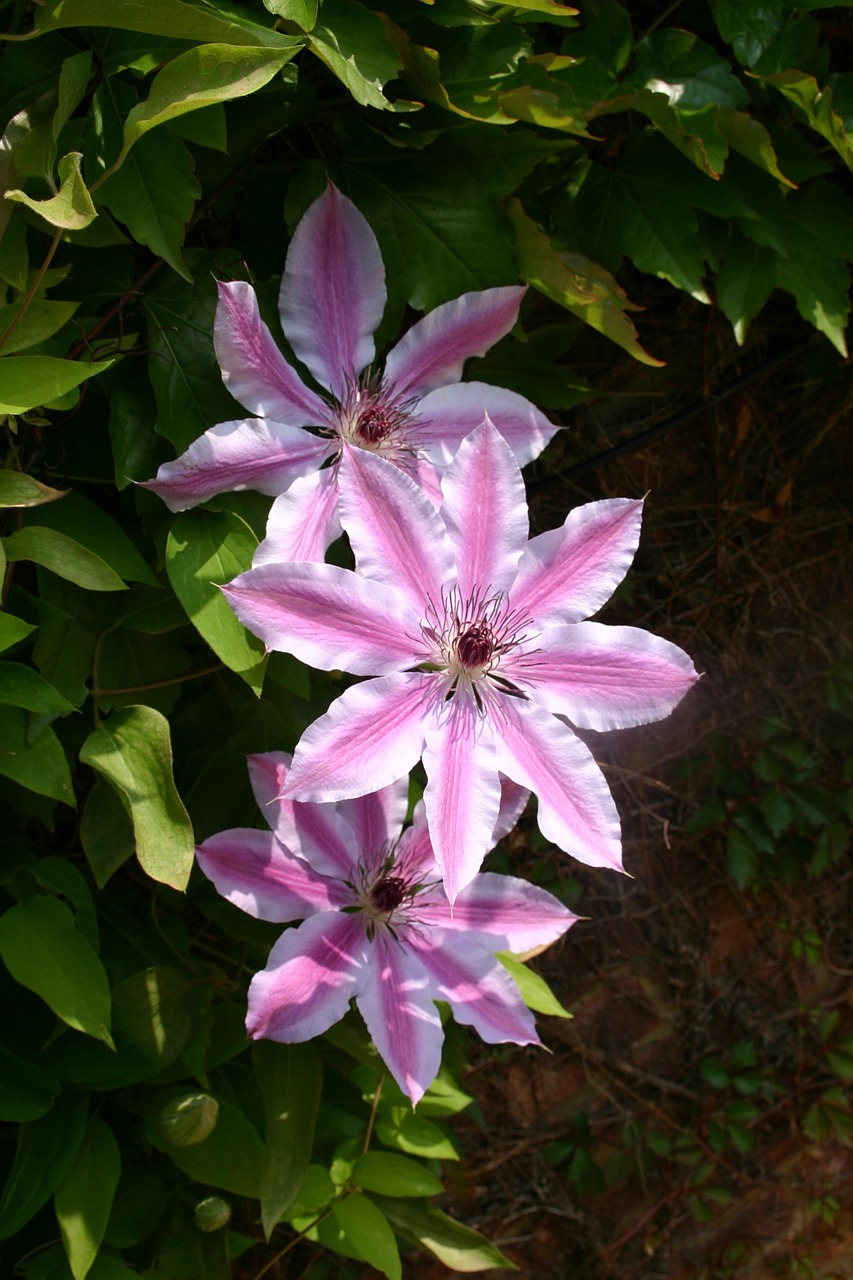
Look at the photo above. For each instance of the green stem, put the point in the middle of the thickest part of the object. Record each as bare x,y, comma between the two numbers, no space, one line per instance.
54,245
157,684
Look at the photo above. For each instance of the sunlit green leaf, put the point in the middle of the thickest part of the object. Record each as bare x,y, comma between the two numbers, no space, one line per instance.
27,381
535,992
84,1198
44,951
367,1229
132,750
393,1175
290,1077
40,321
39,765
352,42
159,18
63,556
20,686
71,208
457,1246
230,1157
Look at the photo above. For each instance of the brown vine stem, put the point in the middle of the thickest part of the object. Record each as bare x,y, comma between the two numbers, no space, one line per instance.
48,258
158,684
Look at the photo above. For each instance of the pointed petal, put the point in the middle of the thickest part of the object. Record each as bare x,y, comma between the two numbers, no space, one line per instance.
376,819
254,872
608,677
462,795
255,453
477,988
567,574
415,854
513,803
395,532
501,913
485,512
303,522
312,974
253,368
313,832
576,809
329,618
370,736
333,291
435,349
446,416
397,1005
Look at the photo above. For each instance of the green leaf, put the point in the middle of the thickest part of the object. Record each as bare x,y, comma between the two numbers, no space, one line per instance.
535,992
184,373
201,76
28,381
751,139
73,82
414,1135
84,1198
749,26
455,1245
153,194
45,952
135,447
172,18
46,1148
26,1090
40,766
151,1015
205,550
353,43
72,207
368,1231
40,321
290,1077
20,490
90,525
63,556
302,12
819,230
133,752
576,283
815,105
106,832
12,630
230,1157
392,1175
20,686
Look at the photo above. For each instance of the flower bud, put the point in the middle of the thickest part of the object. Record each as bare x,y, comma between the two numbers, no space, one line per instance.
189,1119
212,1213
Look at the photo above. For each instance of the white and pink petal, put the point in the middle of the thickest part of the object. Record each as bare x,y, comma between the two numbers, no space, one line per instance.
604,677
252,870
303,522
311,975
502,913
253,453
396,1002
446,416
478,989
314,832
333,291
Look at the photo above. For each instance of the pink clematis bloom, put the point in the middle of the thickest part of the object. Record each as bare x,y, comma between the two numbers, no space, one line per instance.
477,638
377,926
415,414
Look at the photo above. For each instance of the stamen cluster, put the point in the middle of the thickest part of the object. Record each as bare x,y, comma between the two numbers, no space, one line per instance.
472,638
372,416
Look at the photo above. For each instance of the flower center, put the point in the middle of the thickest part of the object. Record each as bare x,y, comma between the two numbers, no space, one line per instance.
388,894
372,417
474,646
469,640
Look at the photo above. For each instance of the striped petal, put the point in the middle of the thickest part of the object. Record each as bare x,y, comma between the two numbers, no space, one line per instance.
568,573
397,1005
253,368
303,522
478,989
254,872
376,819
501,913
254,453
313,832
311,975
446,416
333,291
576,810
433,352
608,677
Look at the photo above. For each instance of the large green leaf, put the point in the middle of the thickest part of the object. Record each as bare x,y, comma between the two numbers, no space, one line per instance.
133,751
201,76
457,1246
63,556
12,630
46,1147
577,283
28,381
40,321
106,832
815,105
205,550
20,686
353,43
290,1077
153,194
151,1015
367,1229
26,1090
45,952
39,765
84,1198
171,18
745,281
90,525
393,1175
20,490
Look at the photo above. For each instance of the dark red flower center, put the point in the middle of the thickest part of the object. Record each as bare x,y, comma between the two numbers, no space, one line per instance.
388,894
475,646
375,423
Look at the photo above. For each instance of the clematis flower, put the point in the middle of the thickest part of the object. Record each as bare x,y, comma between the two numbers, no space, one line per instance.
415,414
377,926
478,639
